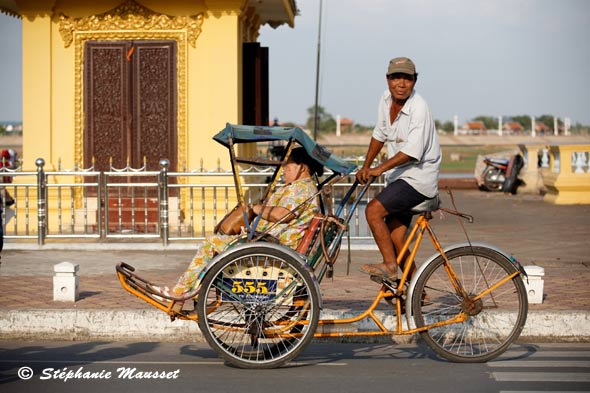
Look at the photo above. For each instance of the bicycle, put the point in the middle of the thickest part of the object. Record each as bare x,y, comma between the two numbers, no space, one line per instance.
259,302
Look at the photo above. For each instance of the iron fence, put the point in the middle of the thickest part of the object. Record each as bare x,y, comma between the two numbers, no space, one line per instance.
136,204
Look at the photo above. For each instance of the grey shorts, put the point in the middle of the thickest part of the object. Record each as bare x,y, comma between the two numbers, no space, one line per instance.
398,198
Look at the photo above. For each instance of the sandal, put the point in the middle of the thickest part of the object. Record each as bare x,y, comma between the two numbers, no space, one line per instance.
165,291
379,269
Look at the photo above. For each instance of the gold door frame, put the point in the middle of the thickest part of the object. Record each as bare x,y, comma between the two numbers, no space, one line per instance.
131,21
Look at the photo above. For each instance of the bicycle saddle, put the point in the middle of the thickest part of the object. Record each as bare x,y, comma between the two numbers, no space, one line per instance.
498,161
428,205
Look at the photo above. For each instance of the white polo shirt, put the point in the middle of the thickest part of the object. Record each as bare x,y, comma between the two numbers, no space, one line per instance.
413,132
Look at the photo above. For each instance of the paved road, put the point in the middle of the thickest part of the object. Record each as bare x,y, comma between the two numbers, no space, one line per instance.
322,367
535,232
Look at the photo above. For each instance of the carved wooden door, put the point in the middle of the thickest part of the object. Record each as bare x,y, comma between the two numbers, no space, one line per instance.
130,104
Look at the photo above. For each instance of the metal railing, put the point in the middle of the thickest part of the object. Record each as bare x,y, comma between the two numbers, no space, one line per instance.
136,204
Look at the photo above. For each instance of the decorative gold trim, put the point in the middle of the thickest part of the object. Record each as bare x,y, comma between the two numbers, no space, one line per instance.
250,25
131,21
130,16
181,84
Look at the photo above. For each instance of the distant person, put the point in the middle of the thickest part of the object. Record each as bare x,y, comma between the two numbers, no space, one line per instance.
7,162
1,230
405,124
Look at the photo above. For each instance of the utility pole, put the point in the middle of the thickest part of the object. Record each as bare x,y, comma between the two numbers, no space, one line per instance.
317,79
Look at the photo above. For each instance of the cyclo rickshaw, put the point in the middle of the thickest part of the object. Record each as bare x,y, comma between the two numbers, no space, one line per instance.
259,304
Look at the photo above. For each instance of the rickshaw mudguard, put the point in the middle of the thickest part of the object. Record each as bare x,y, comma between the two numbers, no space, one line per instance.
284,249
424,265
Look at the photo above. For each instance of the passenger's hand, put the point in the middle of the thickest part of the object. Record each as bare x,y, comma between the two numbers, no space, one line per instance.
257,208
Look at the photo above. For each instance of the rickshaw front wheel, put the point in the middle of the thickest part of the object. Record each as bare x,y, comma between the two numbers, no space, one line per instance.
258,306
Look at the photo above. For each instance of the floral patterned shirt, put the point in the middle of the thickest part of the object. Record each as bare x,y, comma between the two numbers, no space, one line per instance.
290,196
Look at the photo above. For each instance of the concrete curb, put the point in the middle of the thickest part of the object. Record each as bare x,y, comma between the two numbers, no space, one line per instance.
115,325
153,325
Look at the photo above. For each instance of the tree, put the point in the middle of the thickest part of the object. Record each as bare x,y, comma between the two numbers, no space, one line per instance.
447,126
326,121
547,120
360,128
524,120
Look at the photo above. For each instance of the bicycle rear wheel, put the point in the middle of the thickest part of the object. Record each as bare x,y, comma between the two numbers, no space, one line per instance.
258,307
493,322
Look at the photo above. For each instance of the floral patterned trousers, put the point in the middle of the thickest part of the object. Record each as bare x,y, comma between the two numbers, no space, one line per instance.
193,275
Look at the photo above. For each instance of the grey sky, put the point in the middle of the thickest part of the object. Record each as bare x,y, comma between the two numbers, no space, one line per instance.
475,57
11,95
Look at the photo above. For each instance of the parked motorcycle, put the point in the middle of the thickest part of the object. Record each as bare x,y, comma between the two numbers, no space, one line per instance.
501,174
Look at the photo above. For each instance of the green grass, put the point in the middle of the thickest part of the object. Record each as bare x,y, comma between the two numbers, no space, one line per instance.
467,156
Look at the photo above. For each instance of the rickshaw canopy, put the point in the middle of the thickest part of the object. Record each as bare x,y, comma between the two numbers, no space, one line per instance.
245,134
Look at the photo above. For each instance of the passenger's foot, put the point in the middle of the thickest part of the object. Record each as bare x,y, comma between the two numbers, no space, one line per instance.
380,269
165,291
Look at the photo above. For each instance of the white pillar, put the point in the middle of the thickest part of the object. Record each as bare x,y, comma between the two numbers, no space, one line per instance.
65,282
555,130
533,127
500,125
567,123
456,123
337,125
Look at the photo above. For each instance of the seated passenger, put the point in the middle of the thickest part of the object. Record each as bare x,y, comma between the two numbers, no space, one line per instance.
299,187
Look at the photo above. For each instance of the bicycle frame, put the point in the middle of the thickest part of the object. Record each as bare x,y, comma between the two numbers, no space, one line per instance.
386,293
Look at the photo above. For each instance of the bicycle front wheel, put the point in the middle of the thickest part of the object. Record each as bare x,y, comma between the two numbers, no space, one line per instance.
493,321
258,307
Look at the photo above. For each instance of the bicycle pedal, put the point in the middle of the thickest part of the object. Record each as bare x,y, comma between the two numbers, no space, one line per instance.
379,279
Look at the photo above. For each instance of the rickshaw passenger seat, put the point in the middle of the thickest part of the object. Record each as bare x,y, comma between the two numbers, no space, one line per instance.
307,242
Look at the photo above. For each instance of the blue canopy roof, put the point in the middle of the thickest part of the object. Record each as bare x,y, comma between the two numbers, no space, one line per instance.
243,134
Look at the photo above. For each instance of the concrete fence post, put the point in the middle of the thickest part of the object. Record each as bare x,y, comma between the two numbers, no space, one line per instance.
65,282
568,180
534,283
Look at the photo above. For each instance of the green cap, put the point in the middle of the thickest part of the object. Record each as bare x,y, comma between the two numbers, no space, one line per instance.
401,65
